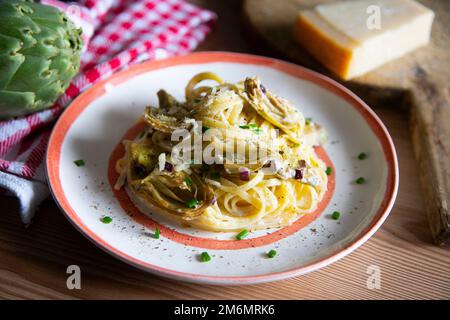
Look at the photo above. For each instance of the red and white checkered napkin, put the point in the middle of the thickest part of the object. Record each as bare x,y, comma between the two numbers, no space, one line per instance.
118,33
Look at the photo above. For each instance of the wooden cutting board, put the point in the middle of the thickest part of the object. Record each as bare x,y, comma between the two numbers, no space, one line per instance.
419,81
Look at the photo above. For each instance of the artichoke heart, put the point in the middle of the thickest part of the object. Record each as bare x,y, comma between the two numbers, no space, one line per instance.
172,191
143,160
273,108
39,55
172,106
160,121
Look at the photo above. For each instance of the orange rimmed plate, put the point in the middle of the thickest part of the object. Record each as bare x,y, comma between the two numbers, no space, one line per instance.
94,124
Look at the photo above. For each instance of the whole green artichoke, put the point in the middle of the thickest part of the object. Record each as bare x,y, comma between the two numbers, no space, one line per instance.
39,55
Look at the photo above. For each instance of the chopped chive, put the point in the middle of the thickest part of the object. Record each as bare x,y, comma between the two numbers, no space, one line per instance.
272,253
362,156
106,219
252,126
241,235
296,145
156,234
308,121
335,215
215,175
192,203
204,129
141,134
329,171
196,100
205,257
188,181
360,180
79,163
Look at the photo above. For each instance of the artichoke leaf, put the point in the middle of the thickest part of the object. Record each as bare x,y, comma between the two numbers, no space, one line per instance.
38,12
9,63
170,105
12,99
22,28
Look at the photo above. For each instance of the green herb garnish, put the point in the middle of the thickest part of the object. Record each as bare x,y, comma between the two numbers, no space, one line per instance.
188,181
360,180
272,253
205,257
335,215
308,121
192,203
362,156
204,129
79,163
328,171
106,219
156,234
241,235
252,126
141,134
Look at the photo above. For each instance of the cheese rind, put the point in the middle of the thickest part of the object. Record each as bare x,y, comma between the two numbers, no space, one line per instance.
338,36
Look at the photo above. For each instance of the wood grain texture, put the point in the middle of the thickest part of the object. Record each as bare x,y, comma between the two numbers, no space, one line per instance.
420,81
33,260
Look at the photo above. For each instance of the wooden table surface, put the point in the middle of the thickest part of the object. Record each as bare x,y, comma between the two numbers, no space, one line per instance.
33,260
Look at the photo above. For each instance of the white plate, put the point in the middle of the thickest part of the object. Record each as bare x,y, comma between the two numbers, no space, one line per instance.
93,126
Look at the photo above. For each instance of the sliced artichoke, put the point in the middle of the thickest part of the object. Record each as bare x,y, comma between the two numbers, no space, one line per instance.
163,141
158,120
142,159
166,100
172,106
273,108
174,191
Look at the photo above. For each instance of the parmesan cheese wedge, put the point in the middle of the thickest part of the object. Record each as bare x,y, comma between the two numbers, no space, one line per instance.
354,37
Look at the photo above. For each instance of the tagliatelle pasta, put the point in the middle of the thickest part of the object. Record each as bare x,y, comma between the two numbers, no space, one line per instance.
231,157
